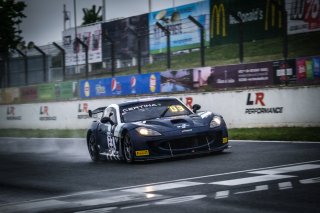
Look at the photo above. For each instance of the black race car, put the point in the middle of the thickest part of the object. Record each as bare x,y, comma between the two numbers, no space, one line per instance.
154,128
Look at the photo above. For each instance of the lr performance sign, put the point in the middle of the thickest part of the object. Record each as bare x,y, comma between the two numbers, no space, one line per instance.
256,104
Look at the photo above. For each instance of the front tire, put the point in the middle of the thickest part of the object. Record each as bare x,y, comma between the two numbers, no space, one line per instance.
93,149
128,150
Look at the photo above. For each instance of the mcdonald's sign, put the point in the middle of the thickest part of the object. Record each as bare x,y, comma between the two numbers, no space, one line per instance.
271,14
218,21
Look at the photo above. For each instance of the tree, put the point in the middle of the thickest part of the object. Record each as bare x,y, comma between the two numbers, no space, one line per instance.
11,15
91,16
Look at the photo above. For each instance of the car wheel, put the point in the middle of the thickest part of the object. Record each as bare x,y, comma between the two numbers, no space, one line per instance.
128,149
93,149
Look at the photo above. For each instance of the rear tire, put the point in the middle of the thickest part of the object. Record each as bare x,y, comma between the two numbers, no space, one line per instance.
128,150
93,149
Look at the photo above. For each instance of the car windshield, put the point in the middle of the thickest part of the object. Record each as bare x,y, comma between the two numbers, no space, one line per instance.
148,110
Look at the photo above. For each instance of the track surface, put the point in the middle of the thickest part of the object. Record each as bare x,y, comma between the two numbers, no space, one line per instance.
57,175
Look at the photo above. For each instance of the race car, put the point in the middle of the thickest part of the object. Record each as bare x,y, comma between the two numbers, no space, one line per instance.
154,128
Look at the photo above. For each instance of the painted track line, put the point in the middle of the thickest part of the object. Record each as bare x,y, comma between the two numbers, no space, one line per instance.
158,183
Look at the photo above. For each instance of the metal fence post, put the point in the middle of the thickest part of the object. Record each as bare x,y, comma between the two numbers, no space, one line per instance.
138,37
26,80
86,49
239,19
112,54
44,55
63,52
202,52
167,33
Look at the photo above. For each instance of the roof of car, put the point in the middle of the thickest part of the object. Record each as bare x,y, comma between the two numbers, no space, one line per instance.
144,100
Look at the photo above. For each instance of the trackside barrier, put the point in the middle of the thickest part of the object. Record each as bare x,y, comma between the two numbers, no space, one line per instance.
272,107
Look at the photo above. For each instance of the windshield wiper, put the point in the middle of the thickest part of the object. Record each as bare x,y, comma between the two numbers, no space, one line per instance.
164,112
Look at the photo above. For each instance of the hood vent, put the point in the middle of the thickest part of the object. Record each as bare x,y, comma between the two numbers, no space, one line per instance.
178,121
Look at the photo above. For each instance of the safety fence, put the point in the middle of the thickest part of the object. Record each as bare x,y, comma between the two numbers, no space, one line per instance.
299,71
114,47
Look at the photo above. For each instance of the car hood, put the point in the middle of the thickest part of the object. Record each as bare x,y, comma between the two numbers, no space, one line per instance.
166,124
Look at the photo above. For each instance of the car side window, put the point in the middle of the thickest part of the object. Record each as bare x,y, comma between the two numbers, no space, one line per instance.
111,113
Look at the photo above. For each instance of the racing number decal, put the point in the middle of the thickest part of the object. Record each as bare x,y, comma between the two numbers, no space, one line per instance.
176,108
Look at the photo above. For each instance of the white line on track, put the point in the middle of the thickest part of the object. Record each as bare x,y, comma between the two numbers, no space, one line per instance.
172,181
258,141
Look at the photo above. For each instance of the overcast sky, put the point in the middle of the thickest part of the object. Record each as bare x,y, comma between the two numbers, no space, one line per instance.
44,22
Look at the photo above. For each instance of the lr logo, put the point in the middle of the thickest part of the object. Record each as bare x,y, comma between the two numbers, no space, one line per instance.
256,99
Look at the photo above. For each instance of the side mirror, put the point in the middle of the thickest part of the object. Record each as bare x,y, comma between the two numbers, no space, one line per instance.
105,120
196,107
90,113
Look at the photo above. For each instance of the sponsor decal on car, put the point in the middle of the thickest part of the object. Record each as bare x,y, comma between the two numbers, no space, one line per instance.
142,153
225,140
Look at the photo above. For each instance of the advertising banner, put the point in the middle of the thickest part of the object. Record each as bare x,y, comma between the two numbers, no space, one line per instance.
177,80
66,90
9,95
241,75
308,69
75,53
303,16
121,85
46,92
184,34
284,71
260,20
125,41
95,88
29,93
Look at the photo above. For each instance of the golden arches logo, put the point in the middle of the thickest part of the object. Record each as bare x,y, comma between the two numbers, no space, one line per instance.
218,16
271,13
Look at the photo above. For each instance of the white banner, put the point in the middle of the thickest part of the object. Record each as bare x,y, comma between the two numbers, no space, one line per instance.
250,108
75,53
303,16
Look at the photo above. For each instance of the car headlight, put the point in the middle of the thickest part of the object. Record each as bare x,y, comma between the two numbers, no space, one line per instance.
147,132
216,121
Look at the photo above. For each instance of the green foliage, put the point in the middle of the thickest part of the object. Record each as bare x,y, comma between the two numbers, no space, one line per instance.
91,16
11,15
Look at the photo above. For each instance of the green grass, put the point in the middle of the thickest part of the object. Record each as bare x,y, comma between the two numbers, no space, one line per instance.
274,134
307,44
282,134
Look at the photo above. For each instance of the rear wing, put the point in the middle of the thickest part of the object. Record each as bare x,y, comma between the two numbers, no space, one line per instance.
96,111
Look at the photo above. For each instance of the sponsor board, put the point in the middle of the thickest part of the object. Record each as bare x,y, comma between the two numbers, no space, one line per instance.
241,75
256,100
75,53
12,114
44,114
83,109
304,16
124,39
176,80
261,20
121,85
183,33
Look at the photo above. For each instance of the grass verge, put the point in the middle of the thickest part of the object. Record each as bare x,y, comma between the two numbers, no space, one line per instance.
273,134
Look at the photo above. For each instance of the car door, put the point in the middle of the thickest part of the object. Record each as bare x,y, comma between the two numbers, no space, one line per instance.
109,142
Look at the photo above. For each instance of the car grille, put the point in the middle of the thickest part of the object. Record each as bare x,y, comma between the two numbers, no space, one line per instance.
188,144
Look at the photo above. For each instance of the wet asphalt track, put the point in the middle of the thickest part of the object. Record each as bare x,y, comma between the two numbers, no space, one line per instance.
57,175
